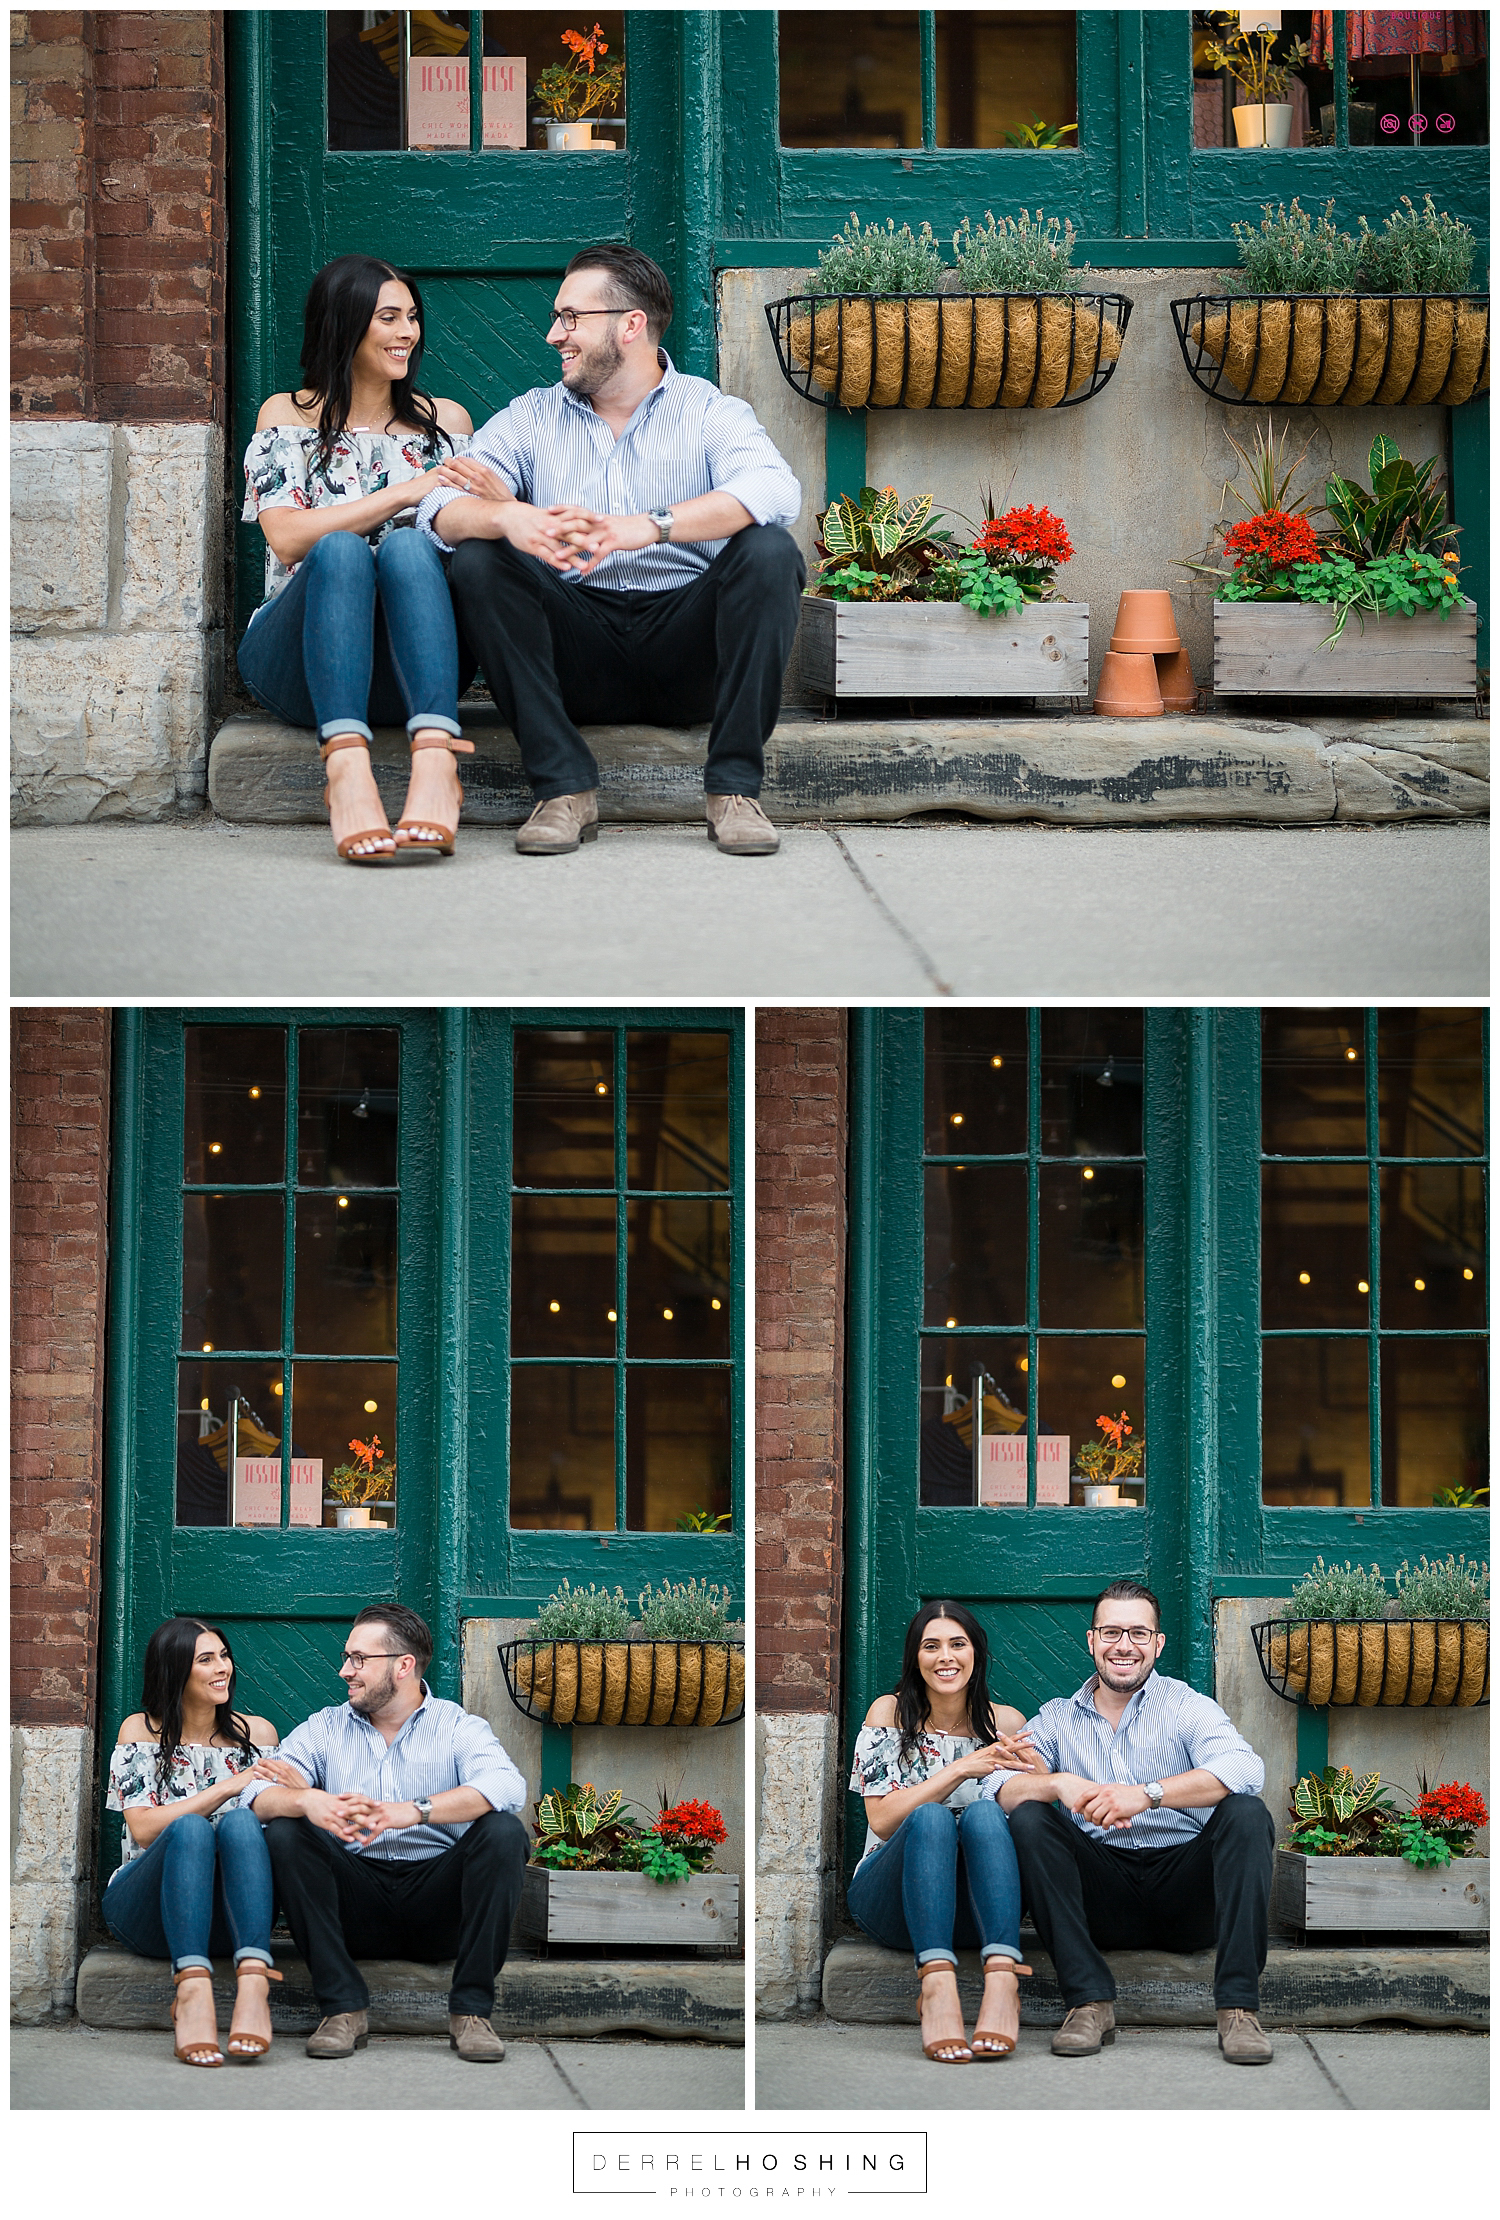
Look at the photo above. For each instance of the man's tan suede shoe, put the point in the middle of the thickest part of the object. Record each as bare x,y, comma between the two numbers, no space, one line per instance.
340,2035
474,2039
556,827
1243,2040
740,826
1087,2028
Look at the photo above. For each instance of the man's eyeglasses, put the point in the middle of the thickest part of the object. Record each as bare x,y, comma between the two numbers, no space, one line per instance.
359,1659
568,317
1113,1636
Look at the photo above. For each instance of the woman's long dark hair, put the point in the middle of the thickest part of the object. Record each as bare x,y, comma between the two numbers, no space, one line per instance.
913,1697
169,1660
340,306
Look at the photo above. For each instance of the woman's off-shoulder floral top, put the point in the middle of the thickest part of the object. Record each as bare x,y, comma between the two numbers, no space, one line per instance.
879,1768
284,469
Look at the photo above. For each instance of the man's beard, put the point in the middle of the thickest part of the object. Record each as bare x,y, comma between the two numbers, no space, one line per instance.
596,368
1140,1673
374,1699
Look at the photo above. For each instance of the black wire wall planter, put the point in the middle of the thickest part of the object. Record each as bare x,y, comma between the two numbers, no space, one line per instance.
631,1683
1327,350
948,350
1413,1663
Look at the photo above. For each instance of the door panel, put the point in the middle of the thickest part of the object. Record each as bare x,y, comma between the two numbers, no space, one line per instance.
286,1669
486,338
1037,1650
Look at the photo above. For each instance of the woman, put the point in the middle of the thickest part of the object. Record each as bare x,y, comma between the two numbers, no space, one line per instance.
918,1762
357,625
195,1877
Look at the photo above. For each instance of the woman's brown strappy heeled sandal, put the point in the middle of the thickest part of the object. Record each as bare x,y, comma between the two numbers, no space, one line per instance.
944,2050
446,835
351,841
988,2041
203,2052
241,2045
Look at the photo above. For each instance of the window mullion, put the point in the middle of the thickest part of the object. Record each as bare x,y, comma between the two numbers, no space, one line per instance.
1341,83
622,1254
1033,1237
476,82
1372,1149
288,1282
927,23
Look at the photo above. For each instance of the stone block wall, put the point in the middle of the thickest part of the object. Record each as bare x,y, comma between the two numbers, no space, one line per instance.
60,1063
801,1079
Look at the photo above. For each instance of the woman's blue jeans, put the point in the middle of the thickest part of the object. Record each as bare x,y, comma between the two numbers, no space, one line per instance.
359,637
907,1895
198,1893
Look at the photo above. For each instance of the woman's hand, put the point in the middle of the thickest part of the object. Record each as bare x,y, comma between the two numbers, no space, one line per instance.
1017,1753
470,476
974,1767
275,1769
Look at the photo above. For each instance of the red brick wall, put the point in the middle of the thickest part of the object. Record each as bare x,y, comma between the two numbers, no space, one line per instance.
59,1174
119,228
801,1144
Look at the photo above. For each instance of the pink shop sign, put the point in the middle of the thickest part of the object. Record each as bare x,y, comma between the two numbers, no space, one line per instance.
257,1492
1002,1470
437,105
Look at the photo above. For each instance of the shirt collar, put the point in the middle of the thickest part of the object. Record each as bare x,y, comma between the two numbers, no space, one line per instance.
670,376
364,1722
1085,1697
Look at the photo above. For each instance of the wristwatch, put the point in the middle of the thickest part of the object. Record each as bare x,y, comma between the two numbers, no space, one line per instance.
1154,1794
424,1810
664,520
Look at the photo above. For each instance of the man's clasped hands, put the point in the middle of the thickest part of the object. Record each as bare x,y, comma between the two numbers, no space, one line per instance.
1108,1804
564,537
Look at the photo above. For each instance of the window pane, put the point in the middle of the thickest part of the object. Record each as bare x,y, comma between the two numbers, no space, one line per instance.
1092,1078
564,1119
1306,99
335,1407
365,109
1415,79
1081,1382
1315,1422
1004,71
974,1082
947,1431
677,1109
975,1246
222,1409
348,1084
676,1447
1434,1404
1313,1082
678,1279
231,1271
1092,1253
562,1447
1431,1083
1432,1246
850,80
563,1276
234,1111
1315,1245
346,1274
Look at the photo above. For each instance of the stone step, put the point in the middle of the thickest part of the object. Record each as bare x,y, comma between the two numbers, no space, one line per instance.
1076,770
537,1997
1304,1985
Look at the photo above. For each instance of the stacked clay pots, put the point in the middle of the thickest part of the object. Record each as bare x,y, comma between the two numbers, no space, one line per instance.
1146,671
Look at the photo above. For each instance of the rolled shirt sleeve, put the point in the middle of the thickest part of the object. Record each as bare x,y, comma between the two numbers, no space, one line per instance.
1215,1744
743,461
499,446
482,1763
305,1748
1045,1745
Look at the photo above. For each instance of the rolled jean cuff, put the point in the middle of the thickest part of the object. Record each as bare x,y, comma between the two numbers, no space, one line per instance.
260,1957
1000,1950
937,1957
336,726
189,1962
435,724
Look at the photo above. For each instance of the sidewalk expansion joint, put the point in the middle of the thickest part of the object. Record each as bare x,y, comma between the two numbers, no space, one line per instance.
903,931
565,2077
1325,2070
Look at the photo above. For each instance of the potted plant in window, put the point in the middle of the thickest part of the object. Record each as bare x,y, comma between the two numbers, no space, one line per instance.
1104,1463
898,607
1246,54
586,1661
597,1876
1340,1639
1322,318
577,90
1352,1858
885,324
353,1488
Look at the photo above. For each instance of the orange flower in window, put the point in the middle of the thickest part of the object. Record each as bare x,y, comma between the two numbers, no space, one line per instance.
368,1452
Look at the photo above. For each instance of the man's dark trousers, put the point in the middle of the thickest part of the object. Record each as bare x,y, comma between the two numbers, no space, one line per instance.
558,654
458,1905
1086,1897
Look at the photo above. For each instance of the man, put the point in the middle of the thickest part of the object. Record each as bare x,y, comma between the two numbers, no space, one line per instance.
642,572
1145,1830
405,1842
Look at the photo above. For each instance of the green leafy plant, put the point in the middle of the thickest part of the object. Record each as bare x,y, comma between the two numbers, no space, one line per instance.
1428,253
1334,1815
1458,1497
1115,1455
1451,1588
582,1615
684,1611
1251,59
1040,134
876,547
701,1521
1337,1592
1402,509
1014,254
578,1829
872,260
584,86
1289,253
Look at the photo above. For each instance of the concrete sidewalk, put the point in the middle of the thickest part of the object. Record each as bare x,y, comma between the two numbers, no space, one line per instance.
826,2065
203,908
85,2069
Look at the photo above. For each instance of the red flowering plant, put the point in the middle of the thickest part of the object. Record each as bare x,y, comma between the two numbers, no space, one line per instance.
693,1828
1264,548
1455,1811
1013,560
583,86
1118,1456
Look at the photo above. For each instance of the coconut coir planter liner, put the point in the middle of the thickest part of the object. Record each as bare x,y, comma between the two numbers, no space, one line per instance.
626,1684
948,350
1346,350
1411,1662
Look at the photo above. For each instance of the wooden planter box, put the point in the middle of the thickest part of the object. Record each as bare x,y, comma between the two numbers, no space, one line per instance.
851,649
1324,1894
1275,647
628,1908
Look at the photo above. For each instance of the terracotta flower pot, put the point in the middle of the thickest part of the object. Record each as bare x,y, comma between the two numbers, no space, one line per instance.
1179,689
1145,624
1127,687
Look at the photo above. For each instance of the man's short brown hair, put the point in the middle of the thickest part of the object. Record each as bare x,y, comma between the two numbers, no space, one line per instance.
408,1631
635,281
